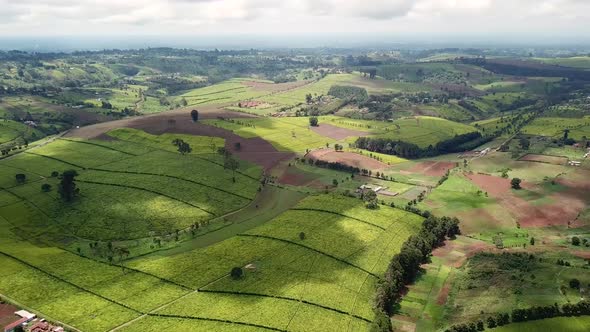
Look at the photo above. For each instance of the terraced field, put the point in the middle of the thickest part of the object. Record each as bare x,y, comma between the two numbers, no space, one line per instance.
322,280
130,189
229,91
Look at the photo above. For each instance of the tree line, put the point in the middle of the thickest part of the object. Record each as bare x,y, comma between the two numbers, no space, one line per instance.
459,143
404,266
526,314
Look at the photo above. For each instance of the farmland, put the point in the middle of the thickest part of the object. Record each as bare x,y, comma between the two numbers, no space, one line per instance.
339,255
294,190
555,127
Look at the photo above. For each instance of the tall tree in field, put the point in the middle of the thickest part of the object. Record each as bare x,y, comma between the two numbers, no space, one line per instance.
195,115
183,147
515,183
233,165
20,178
313,121
566,134
67,186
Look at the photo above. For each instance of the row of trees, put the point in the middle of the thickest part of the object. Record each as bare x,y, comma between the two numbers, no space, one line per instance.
405,265
458,143
526,314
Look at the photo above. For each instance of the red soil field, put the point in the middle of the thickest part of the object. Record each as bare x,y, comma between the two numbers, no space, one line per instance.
348,158
294,177
337,133
565,205
255,150
540,158
432,168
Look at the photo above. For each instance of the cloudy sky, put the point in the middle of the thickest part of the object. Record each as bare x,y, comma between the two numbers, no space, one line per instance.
426,18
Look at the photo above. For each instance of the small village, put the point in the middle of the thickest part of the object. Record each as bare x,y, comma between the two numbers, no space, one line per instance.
13,319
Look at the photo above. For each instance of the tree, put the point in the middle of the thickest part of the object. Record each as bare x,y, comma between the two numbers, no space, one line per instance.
238,146
575,283
515,183
195,115
313,121
231,164
54,174
301,236
67,186
236,273
532,241
524,143
46,187
183,147
576,241
308,98
370,198
20,178
566,133
335,182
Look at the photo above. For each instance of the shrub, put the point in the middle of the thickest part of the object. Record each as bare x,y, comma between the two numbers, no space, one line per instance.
515,183
236,273
576,241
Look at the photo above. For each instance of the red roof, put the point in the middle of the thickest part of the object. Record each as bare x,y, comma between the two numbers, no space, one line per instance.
15,324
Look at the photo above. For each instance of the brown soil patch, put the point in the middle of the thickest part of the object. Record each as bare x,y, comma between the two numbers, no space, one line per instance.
443,295
255,150
565,207
455,253
582,254
540,158
348,158
337,133
295,177
433,168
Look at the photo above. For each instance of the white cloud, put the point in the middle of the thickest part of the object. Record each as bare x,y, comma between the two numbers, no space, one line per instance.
423,17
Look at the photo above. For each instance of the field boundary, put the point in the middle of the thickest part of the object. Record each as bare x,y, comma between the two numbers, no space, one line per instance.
99,145
338,214
312,249
287,299
56,159
171,177
216,320
69,282
148,190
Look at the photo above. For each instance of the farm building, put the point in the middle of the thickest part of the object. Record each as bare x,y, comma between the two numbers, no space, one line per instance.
10,319
44,326
574,163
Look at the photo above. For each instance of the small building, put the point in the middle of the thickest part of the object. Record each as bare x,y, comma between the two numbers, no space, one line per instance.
9,320
574,163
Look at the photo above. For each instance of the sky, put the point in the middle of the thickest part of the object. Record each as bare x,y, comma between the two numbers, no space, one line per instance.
427,20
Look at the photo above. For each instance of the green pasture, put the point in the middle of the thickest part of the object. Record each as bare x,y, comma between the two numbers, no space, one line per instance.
297,96
285,134
576,61
491,283
559,324
555,127
420,130
230,91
